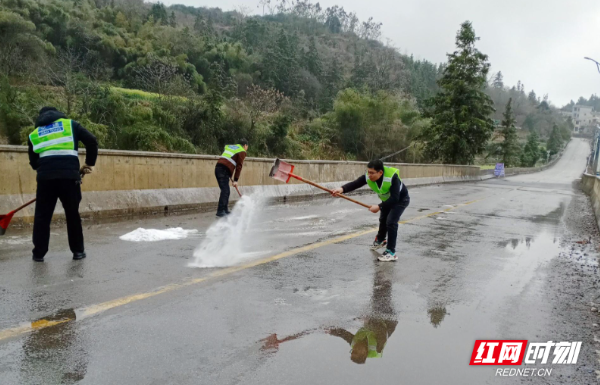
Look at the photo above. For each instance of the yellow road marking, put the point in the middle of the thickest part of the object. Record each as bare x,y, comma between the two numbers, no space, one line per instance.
104,306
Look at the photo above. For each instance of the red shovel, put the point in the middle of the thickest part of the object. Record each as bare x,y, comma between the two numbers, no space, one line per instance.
284,171
5,219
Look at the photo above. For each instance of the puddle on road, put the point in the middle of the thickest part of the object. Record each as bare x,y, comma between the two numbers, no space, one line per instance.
514,242
408,329
54,353
552,217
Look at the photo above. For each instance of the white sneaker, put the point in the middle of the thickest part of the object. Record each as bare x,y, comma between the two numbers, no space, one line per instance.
388,256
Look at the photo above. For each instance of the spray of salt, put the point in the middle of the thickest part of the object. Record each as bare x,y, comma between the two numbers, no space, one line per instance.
229,239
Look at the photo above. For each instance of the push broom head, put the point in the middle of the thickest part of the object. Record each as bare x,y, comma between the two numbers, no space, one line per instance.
281,170
4,222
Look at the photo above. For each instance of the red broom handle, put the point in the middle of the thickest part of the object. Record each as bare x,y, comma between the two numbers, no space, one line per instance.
328,190
25,205
31,201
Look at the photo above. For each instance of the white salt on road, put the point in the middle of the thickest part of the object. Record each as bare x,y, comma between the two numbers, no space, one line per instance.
152,235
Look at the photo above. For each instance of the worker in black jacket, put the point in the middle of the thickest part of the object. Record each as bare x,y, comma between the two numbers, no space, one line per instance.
386,183
53,149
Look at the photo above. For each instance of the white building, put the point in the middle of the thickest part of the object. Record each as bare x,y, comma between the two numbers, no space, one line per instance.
583,118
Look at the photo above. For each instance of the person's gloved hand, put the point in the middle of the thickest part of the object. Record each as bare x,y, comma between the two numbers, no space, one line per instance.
235,184
85,169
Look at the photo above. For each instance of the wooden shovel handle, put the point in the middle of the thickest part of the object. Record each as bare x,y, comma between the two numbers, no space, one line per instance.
236,189
328,190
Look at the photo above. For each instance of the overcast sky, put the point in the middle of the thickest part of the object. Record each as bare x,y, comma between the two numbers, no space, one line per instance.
540,42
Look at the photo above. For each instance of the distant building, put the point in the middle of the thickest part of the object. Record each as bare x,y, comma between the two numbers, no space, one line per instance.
584,119
566,114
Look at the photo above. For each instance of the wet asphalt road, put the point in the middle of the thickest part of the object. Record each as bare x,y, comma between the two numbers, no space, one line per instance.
473,264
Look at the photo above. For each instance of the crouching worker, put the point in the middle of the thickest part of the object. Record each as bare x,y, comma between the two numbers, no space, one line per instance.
386,183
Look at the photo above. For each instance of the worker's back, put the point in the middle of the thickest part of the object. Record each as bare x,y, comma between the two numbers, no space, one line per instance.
59,163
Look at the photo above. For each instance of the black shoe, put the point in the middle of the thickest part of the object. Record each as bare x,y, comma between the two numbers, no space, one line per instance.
36,259
78,256
221,214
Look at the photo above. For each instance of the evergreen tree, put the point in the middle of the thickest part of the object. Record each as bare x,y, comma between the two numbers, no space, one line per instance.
498,81
555,141
532,97
510,146
281,65
332,82
531,152
313,60
461,123
172,20
159,13
360,71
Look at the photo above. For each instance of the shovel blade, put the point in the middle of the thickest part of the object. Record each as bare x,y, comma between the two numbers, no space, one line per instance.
4,222
281,171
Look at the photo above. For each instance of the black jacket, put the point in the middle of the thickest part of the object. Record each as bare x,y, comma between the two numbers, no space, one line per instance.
62,167
397,194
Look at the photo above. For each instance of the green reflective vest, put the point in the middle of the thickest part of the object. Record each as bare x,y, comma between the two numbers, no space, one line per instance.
384,191
231,150
54,139
371,341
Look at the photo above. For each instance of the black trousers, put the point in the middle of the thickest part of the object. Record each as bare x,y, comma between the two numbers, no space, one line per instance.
388,223
48,192
222,175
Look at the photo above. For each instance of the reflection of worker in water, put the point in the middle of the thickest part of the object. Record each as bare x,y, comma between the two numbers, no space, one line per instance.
272,342
54,354
370,340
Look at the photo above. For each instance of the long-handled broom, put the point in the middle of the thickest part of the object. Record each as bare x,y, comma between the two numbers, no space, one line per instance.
5,219
284,171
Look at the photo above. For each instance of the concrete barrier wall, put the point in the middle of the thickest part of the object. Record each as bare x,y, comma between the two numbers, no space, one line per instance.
591,186
127,183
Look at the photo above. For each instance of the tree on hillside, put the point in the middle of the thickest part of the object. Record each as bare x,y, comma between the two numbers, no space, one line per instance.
544,106
555,142
498,81
510,146
532,97
262,102
332,83
281,67
531,151
172,20
158,12
313,60
461,123
20,46
64,71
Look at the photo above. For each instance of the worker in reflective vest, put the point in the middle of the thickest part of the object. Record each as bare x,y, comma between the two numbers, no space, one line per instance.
53,149
229,167
386,183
